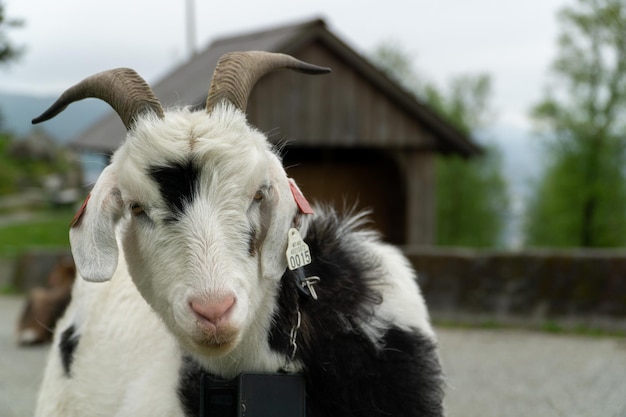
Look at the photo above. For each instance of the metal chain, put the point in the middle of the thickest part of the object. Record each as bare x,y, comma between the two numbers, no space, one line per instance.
293,336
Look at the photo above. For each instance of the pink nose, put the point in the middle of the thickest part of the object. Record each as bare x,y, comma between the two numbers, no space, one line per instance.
213,312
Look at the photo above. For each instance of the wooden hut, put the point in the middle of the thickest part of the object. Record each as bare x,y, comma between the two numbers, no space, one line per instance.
354,136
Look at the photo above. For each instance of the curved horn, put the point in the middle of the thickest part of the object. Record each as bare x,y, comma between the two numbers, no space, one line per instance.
236,74
122,88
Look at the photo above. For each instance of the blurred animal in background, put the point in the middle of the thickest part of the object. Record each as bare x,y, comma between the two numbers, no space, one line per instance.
44,305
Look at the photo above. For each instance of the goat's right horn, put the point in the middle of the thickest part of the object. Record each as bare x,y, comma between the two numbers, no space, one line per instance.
236,74
122,88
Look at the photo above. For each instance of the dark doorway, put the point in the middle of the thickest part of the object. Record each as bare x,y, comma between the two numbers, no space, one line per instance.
367,178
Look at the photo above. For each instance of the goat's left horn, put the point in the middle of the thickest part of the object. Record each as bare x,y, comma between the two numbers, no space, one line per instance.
236,74
122,88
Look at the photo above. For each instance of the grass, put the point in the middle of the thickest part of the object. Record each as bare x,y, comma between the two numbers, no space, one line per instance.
48,229
547,326
9,289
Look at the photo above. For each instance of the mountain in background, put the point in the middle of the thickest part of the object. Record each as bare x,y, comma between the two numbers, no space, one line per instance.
16,112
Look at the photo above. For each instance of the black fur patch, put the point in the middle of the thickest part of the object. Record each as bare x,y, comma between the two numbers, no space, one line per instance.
346,374
252,250
258,232
177,183
190,377
345,290
67,346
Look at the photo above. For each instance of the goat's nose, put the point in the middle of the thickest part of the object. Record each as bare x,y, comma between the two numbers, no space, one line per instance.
213,311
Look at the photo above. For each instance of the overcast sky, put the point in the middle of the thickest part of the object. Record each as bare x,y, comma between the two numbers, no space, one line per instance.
514,41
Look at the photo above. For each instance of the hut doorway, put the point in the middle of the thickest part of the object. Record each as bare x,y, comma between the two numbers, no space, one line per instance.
368,179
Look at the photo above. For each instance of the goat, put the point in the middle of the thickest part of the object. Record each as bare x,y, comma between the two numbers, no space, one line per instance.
182,250
44,305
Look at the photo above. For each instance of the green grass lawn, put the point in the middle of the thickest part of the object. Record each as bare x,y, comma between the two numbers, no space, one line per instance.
47,229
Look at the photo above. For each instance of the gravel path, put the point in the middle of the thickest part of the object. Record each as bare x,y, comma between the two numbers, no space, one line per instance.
504,373
20,368
491,373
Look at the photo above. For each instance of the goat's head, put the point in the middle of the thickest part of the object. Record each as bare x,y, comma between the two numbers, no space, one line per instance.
198,200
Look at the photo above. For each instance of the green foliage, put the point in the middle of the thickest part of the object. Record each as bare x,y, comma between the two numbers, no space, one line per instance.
395,61
8,169
8,51
471,194
21,169
471,200
9,289
466,102
581,198
48,229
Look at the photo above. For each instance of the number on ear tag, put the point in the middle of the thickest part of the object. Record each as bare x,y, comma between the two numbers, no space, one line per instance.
298,254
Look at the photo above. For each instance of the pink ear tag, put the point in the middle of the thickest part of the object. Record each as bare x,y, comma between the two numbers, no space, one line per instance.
304,205
79,215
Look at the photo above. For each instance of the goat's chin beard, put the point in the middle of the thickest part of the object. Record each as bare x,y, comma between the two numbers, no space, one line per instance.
217,343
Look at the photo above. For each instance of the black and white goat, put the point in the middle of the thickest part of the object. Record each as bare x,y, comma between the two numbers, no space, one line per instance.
189,226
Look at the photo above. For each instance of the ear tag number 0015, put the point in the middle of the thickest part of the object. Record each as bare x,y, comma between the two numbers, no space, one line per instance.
298,254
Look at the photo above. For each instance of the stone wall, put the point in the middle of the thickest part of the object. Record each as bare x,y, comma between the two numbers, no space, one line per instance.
577,286
587,286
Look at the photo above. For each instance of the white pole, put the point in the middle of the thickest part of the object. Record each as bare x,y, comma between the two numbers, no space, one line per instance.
191,28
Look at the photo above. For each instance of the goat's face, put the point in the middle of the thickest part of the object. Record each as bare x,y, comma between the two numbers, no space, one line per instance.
204,208
201,204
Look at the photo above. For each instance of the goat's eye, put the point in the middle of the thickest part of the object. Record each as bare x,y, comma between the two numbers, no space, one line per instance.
136,209
259,195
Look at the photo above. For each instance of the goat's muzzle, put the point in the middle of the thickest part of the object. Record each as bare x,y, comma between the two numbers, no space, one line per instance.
215,329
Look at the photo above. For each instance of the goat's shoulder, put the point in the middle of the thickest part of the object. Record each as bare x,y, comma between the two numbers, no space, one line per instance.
352,259
369,321
109,330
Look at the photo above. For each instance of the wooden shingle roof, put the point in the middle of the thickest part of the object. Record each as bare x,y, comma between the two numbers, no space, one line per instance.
409,122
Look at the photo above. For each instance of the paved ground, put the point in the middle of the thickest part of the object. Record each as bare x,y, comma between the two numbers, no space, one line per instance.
499,373
20,369
503,373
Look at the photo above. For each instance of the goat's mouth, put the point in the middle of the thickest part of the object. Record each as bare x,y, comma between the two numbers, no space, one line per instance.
215,340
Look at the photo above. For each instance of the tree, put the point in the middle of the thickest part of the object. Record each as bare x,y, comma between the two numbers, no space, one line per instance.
8,51
31,162
8,169
471,200
580,200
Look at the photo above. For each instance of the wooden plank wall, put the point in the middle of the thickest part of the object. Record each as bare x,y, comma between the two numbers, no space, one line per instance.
348,141
338,109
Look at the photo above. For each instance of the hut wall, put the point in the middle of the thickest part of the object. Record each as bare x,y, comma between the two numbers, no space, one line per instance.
339,109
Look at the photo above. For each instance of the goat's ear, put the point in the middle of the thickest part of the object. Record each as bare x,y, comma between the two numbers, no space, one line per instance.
92,235
283,211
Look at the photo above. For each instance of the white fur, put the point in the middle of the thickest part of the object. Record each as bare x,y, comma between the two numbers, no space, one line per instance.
27,336
128,357
403,304
126,363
